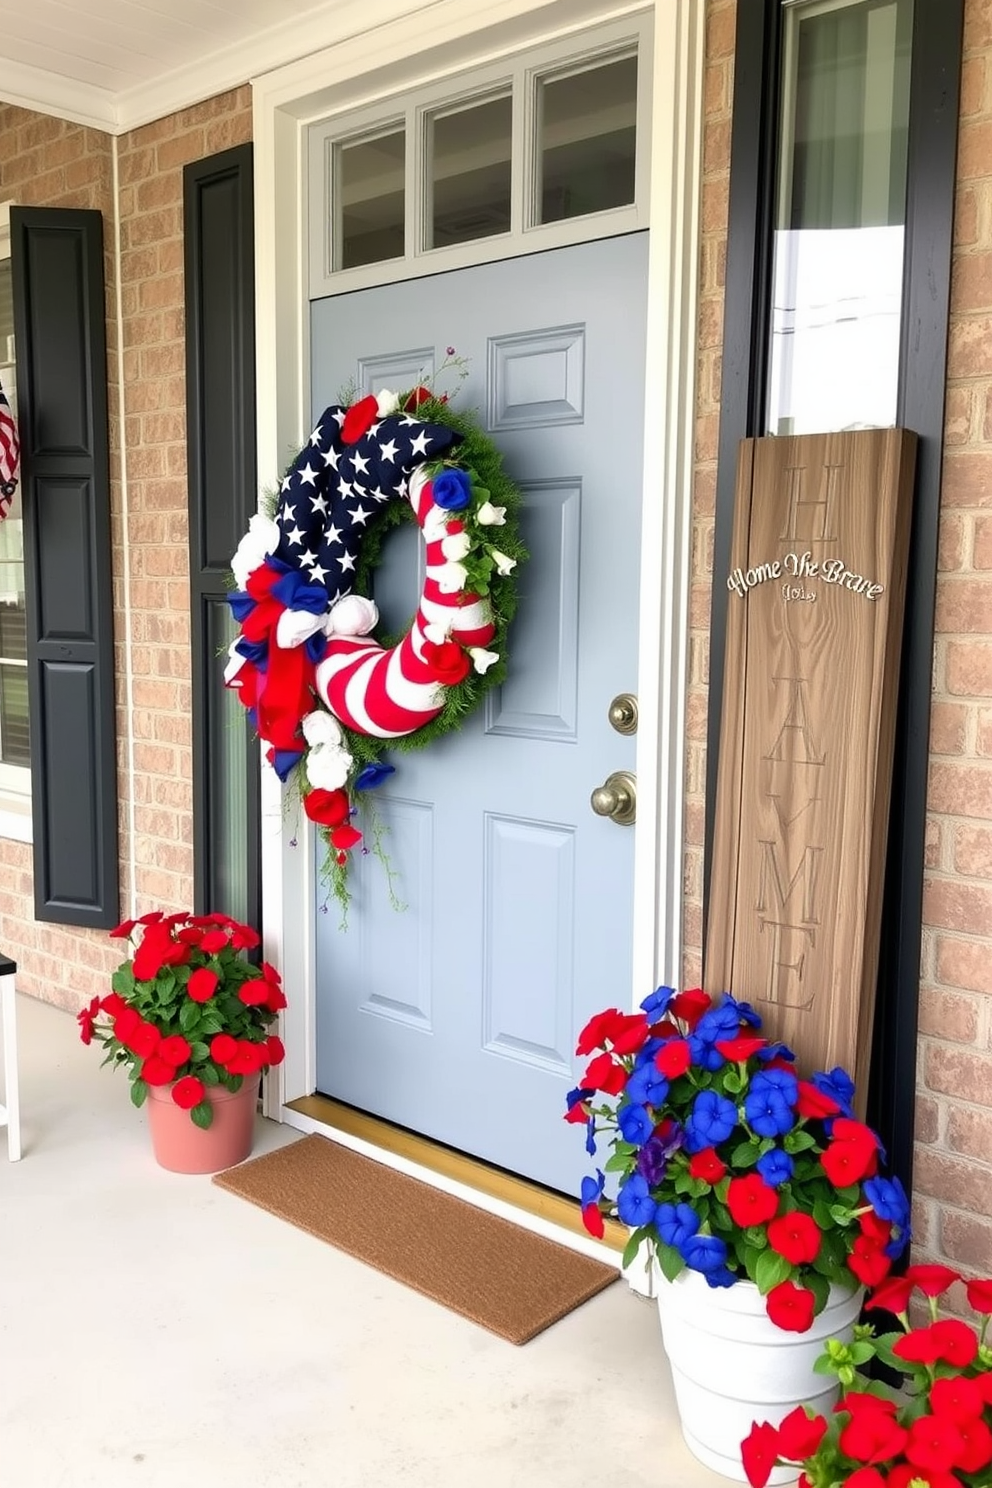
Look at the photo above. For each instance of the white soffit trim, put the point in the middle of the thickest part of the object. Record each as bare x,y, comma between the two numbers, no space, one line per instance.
62,97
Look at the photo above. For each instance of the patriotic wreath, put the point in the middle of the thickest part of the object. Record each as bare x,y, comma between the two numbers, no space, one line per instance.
327,695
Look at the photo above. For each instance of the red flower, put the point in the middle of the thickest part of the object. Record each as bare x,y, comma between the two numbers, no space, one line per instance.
175,1049
202,984
852,1153
359,419
345,837
751,1200
214,940
905,1475
690,1006
156,1071
799,1434
758,1453
222,1048
604,1074
934,1441
872,1436
126,1021
741,1048
327,808
598,1031
893,1294
868,1262
188,1092
976,1452
877,1230
248,1060
813,1104
190,935
254,992
123,930
673,1058
275,1049
932,1279
276,998
979,1295
448,662
630,1035
244,938
86,1017
706,1165
592,1218
949,1340
144,1040
112,1004
791,1307
795,1236
865,1477
956,1397
151,918
419,395
854,1401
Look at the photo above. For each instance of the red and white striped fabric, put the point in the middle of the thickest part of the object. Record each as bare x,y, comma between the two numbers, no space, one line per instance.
389,693
10,455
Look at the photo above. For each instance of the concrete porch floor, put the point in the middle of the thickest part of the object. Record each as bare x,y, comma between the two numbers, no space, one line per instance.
155,1330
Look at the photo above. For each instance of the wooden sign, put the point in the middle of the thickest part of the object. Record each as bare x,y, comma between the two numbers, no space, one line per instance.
814,630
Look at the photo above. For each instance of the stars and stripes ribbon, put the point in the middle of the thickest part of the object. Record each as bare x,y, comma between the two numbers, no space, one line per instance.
10,454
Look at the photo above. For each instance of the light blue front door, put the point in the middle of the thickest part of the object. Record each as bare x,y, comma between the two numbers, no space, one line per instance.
457,1017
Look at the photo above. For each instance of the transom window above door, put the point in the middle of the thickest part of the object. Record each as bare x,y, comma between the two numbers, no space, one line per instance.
532,153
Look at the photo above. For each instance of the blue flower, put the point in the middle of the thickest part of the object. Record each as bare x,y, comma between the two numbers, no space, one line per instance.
647,1086
839,1086
775,1167
635,1124
373,775
708,1255
710,1122
705,1053
452,489
745,1012
888,1199
580,1093
652,1161
647,1051
777,1051
676,1223
767,1105
592,1188
591,1136
720,1022
657,1002
635,1205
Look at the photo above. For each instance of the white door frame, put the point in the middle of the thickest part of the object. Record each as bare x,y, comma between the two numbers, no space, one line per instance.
379,48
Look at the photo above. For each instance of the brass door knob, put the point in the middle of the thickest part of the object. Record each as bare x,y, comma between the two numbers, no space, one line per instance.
616,798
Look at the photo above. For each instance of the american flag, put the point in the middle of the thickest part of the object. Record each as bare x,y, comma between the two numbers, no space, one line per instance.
334,487
10,454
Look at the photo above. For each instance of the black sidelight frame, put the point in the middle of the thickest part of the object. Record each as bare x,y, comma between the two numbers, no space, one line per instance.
931,171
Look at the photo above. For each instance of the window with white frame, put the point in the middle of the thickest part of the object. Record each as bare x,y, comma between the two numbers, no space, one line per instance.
532,153
15,778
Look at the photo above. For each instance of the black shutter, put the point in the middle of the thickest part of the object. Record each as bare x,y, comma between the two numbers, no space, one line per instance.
220,423
59,322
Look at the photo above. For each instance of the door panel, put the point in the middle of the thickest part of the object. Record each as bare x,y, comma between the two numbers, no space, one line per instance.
457,1016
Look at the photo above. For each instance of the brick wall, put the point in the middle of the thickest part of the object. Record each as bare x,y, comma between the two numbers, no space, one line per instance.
49,162
953,1178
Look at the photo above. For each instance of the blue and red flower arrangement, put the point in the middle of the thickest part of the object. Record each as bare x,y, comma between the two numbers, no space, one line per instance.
727,1161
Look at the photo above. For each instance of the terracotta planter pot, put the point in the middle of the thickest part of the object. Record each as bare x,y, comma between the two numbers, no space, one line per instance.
183,1147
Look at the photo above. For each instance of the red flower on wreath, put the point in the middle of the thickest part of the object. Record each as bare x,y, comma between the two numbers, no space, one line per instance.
448,662
328,808
359,419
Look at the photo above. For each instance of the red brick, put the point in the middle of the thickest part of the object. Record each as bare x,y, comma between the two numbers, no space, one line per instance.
948,905
965,963
973,851
966,1241
969,668
967,477
948,728
966,1076
927,1125
949,1015
969,1132
960,789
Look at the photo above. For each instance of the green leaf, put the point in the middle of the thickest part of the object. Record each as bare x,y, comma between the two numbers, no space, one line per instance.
210,1026
798,1141
634,1244
744,1155
208,1074
822,1214
749,1256
670,1261
139,1092
199,1052
732,1082
189,1017
819,1286
756,1236
770,1270
202,1115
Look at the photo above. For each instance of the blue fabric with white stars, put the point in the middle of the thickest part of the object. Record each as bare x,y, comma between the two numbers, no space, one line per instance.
333,489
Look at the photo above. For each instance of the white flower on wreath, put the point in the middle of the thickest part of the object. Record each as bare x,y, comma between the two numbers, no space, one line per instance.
327,761
504,564
296,626
321,727
452,578
386,402
482,660
354,615
435,522
458,545
491,516
261,539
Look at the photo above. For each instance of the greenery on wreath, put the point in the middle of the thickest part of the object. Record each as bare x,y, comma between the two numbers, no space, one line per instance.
729,1163
187,1009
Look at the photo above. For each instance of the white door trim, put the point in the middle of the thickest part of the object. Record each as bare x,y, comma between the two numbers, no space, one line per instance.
405,44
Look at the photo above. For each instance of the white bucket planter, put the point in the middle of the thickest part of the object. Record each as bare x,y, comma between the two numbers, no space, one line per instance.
731,1366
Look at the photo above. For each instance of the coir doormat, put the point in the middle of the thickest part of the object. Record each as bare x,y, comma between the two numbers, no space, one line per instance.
512,1282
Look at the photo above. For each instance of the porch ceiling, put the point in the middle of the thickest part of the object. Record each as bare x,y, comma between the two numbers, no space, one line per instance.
115,64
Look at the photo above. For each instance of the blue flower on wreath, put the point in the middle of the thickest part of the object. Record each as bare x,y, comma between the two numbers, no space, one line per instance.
647,1086
838,1087
888,1199
707,1254
769,1103
657,1002
676,1224
635,1124
635,1205
452,489
776,1167
372,775
710,1122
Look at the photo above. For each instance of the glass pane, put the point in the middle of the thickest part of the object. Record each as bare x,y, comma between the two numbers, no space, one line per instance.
371,199
470,172
14,742
226,888
587,140
841,212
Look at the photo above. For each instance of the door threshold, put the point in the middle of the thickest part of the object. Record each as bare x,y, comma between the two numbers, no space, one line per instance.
523,1194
